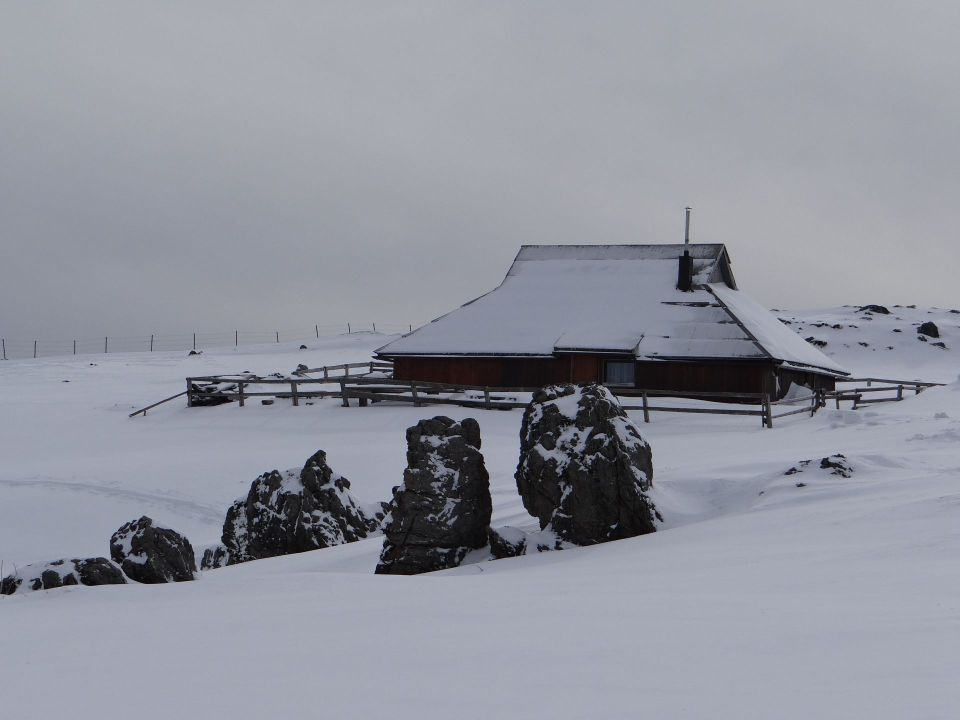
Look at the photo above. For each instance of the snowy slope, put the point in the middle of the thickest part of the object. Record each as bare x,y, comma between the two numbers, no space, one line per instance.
768,595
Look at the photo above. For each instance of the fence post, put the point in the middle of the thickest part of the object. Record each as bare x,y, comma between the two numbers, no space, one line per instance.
240,392
326,375
646,408
5,348
346,369
189,394
486,398
194,341
416,398
767,411
151,343
236,338
106,345
348,328
899,392
411,328
294,392
278,337
35,349
371,367
317,328
374,327
343,393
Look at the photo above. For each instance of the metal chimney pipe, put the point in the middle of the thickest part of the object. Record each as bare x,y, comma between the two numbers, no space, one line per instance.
686,232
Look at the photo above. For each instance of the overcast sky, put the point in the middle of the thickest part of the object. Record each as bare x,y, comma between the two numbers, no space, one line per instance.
201,165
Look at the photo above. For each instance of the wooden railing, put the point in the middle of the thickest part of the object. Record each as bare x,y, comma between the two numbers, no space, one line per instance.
871,385
368,386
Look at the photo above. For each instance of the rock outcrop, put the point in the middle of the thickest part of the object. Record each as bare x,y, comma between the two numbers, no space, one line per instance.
60,573
507,542
291,512
149,553
929,329
442,510
584,469
833,465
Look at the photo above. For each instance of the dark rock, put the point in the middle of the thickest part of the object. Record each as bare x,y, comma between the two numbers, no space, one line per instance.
266,401
60,573
195,352
442,510
815,342
878,309
303,347
149,553
897,330
507,542
293,511
836,464
939,345
214,557
584,468
929,329
922,338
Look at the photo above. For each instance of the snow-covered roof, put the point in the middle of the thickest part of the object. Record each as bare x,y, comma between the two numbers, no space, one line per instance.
613,299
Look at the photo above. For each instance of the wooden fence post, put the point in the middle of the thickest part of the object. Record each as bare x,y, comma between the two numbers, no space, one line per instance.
416,398
5,348
151,345
371,367
325,375
486,398
343,394
194,341
236,338
278,337
767,411
35,348
189,394
899,392
317,328
240,392
294,392
646,408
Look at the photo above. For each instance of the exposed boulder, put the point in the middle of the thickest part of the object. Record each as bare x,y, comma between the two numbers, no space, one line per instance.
878,309
929,329
834,464
214,557
149,553
507,542
442,510
291,512
584,469
60,573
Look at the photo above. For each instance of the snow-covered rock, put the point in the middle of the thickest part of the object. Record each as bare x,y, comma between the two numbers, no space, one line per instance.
291,512
584,469
59,573
442,510
833,465
507,542
149,553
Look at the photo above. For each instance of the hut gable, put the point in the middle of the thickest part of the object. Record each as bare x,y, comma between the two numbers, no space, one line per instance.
613,300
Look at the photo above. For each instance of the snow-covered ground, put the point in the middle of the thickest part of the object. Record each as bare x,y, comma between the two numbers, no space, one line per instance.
767,596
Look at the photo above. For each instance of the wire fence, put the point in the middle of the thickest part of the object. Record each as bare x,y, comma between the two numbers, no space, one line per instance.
18,348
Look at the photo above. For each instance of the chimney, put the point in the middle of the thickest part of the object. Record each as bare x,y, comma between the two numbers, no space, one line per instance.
685,268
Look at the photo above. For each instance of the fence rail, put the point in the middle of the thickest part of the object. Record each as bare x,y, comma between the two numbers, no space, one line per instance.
374,383
13,348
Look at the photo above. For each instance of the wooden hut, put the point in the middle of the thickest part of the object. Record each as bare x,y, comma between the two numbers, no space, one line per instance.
658,317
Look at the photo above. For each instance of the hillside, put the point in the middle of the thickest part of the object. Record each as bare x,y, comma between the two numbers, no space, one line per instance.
767,594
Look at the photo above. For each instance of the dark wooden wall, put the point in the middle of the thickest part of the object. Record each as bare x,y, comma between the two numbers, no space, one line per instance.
706,376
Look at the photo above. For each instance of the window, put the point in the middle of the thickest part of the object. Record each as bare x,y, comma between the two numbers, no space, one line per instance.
620,372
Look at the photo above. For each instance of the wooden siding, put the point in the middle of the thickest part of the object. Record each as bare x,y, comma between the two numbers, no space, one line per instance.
718,376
